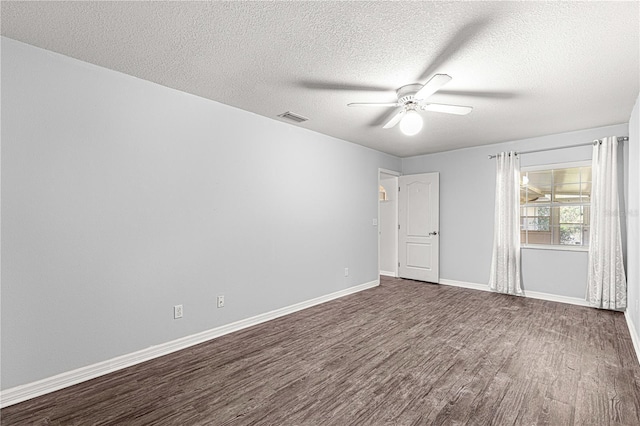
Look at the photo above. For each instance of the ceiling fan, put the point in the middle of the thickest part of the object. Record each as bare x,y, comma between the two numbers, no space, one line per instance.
411,99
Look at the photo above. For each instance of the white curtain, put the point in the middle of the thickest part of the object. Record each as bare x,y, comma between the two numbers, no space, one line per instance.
505,264
606,281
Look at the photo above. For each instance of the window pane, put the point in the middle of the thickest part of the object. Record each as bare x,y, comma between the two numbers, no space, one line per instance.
562,176
585,214
586,192
571,235
536,198
529,194
536,188
567,193
536,237
540,180
571,214
534,218
585,236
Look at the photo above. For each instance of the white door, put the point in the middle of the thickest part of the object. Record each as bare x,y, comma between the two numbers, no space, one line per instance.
419,233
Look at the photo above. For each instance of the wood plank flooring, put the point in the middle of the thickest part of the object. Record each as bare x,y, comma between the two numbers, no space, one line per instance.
404,353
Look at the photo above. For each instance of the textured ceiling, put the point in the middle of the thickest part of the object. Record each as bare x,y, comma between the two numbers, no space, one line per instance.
527,68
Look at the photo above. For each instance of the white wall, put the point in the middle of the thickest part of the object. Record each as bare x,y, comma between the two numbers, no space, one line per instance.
467,186
122,198
388,224
633,225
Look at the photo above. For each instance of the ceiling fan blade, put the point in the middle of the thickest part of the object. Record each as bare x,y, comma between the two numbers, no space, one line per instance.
388,104
395,119
479,94
464,37
341,85
449,109
432,86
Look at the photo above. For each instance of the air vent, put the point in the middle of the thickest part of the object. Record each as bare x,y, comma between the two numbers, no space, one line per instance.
293,117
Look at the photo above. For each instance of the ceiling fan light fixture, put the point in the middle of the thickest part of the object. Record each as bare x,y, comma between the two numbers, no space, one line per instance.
411,123
411,98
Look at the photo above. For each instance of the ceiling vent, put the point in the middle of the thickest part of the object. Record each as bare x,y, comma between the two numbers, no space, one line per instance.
293,117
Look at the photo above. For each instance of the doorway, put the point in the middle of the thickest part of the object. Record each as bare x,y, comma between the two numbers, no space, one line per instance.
388,223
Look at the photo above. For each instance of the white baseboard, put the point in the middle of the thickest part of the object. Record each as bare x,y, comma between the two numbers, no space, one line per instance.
634,335
464,284
388,274
531,294
556,298
50,384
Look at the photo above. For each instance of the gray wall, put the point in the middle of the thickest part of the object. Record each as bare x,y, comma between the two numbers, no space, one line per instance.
467,185
633,225
122,198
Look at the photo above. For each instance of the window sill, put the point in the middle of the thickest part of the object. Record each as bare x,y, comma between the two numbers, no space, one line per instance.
555,247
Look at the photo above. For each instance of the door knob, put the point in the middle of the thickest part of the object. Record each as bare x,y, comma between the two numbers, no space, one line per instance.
433,233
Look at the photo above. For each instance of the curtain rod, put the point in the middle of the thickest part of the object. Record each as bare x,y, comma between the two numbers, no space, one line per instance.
620,139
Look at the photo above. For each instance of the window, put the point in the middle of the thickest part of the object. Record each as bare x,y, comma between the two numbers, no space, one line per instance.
554,205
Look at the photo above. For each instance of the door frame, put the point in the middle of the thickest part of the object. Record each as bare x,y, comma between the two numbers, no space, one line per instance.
395,225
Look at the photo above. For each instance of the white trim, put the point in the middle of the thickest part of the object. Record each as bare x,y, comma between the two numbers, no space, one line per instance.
556,298
395,175
388,172
464,284
566,165
634,334
530,294
50,384
584,249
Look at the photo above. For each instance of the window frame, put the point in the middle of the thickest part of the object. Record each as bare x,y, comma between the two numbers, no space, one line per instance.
553,166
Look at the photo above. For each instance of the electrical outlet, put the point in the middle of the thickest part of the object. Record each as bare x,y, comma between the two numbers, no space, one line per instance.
346,272
220,301
177,311
374,222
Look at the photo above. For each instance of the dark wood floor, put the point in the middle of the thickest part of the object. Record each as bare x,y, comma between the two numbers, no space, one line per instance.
404,353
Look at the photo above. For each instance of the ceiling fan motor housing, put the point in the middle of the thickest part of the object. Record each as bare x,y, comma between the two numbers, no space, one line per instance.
411,99
406,94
